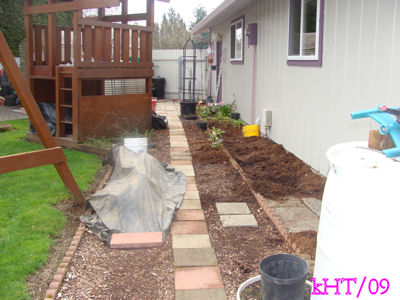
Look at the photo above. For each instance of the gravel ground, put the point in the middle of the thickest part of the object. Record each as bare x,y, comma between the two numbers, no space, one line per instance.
9,113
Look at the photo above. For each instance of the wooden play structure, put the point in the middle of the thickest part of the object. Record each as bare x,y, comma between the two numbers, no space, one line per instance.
51,154
68,66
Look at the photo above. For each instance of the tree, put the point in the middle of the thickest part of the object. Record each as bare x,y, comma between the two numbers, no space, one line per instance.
173,33
156,36
12,21
199,14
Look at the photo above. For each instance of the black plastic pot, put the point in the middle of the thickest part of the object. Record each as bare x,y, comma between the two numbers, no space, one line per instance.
235,116
11,100
202,125
283,276
188,107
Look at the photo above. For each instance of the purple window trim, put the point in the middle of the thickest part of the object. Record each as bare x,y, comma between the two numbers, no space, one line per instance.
317,62
239,62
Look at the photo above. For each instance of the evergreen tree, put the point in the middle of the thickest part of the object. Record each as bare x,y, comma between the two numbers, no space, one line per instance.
12,21
173,32
199,14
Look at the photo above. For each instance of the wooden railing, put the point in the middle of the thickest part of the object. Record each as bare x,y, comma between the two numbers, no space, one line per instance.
106,43
41,45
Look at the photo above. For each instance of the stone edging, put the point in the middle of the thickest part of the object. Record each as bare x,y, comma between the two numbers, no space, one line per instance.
264,205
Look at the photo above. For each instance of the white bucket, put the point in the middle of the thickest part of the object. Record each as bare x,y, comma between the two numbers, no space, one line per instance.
360,218
137,145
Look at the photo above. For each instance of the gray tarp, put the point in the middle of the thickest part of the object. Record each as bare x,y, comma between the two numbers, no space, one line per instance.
141,196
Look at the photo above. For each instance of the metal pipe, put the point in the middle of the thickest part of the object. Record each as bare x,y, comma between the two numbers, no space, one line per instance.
253,80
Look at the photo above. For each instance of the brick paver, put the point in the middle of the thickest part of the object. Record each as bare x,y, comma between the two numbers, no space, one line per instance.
197,274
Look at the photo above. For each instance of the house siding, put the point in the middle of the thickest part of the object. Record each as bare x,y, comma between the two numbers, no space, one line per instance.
311,106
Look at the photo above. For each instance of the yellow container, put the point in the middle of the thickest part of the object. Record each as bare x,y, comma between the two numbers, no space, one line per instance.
251,130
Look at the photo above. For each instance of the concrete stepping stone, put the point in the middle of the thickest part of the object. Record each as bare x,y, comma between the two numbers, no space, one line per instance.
190,241
190,215
192,195
181,163
178,144
214,294
189,227
193,278
191,187
298,219
190,204
238,221
194,257
232,208
314,205
136,240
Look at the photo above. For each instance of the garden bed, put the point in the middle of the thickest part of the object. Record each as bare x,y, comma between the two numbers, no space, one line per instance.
274,173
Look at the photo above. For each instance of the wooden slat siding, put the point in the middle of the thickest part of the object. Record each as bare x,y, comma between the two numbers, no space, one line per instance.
27,160
107,45
88,43
28,23
117,45
125,45
98,44
68,6
36,117
143,47
92,22
135,44
67,45
38,45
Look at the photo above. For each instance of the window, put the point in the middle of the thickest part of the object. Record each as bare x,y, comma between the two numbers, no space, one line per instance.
305,32
237,40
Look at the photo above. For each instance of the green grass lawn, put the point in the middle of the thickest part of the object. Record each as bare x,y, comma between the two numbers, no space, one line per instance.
28,220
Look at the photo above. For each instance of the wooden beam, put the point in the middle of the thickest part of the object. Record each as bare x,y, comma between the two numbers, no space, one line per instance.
68,6
28,20
52,41
15,162
115,73
123,19
124,10
36,118
96,23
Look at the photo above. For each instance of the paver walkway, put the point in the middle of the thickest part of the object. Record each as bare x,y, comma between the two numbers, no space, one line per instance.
197,274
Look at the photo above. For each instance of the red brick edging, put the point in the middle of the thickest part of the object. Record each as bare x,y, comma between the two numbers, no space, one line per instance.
51,293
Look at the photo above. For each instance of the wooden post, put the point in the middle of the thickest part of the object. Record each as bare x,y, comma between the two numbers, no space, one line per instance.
29,45
36,118
52,41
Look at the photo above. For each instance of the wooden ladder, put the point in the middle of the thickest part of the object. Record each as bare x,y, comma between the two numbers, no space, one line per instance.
63,99
52,154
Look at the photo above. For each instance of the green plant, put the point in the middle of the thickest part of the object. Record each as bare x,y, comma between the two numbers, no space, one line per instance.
215,136
148,133
28,218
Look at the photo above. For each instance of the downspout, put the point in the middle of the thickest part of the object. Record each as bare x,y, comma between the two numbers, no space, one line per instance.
253,82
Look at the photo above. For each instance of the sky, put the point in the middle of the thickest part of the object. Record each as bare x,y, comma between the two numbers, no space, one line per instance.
183,7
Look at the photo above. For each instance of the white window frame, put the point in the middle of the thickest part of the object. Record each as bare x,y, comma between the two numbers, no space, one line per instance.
234,23
317,34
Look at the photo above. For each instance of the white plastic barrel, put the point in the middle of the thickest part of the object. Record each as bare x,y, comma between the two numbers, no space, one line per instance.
358,234
137,145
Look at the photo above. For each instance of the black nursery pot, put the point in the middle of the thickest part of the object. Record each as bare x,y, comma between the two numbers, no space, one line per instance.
202,125
235,116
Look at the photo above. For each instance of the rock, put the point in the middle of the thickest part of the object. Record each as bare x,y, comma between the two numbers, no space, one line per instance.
5,127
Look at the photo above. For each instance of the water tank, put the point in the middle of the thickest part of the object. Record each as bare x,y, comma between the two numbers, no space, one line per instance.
358,234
